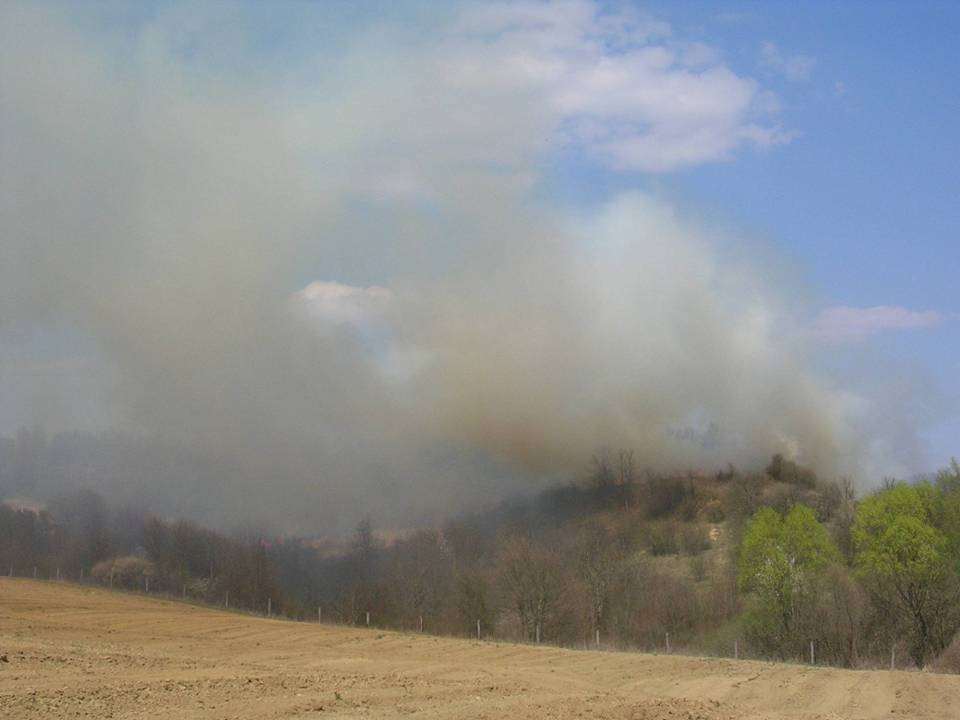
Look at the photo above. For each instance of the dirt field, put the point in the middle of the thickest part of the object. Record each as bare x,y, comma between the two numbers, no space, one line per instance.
84,653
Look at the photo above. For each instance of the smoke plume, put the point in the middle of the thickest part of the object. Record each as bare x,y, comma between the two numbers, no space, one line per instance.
328,280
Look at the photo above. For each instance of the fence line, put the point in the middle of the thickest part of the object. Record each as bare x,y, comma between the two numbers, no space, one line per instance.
87,579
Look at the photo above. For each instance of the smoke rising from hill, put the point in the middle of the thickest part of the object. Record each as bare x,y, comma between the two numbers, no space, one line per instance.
334,287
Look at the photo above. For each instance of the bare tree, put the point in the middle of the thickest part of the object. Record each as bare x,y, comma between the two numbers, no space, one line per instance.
627,471
531,579
602,473
598,557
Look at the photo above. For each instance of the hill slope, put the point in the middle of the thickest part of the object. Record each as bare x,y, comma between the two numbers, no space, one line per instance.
77,652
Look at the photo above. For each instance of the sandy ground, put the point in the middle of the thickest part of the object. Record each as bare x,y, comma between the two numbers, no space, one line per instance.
77,652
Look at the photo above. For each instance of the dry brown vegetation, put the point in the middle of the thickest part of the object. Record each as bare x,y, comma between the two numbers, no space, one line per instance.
775,564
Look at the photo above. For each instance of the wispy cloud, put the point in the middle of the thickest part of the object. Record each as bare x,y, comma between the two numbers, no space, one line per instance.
846,324
795,68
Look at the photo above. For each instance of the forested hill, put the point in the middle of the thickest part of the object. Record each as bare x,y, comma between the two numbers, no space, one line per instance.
765,564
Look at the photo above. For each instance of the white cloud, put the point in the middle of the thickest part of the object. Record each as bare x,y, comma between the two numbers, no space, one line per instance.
844,324
620,87
505,84
795,68
339,303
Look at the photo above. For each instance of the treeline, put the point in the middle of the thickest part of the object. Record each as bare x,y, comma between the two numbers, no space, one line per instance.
773,564
79,537
768,564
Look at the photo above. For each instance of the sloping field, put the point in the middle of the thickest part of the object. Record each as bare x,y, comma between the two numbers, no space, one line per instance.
78,652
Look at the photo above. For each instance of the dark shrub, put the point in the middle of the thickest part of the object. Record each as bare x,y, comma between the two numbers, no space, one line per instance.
694,539
665,495
662,538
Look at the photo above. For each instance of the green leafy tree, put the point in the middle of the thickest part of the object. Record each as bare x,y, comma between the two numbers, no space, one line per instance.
946,509
905,562
781,561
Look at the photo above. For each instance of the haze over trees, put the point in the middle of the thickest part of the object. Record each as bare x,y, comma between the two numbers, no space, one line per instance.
766,562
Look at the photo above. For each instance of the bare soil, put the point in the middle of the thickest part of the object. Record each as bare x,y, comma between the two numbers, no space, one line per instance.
77,652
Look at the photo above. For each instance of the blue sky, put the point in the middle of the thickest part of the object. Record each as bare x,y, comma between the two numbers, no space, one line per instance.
867,196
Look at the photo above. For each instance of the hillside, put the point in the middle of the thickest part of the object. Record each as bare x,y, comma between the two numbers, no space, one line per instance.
81,652
758,565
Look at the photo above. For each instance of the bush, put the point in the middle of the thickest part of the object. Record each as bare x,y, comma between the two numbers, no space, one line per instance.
713,511
128,571
694,539
787,471
745,496
662,538
665,495
689,509
949,660
698,568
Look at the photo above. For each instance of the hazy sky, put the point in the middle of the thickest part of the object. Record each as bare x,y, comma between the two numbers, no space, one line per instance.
349,244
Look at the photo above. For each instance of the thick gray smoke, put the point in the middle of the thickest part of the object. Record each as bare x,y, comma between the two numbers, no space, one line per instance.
333,277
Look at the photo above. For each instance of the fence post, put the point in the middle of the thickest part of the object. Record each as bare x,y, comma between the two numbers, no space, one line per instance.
319,614
11,569
226,599
421,623
81,574
812,662
478,628
736,649
598,637
58,574
34,572
668,643
893,657
269,606
146,584
368,618
538,633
